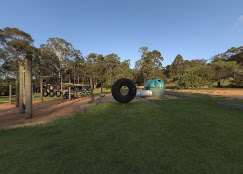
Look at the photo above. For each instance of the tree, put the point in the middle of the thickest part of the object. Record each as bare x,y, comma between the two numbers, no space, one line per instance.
224,69
48,62
18,46
112,61
123,70
66,54
176,67
232,54
95,68
64,50
195,76
150,64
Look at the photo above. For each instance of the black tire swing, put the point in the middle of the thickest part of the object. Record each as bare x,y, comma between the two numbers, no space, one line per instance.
118,95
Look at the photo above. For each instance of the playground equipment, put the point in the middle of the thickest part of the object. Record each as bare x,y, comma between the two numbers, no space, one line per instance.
124,90
24,87
50,90
76,90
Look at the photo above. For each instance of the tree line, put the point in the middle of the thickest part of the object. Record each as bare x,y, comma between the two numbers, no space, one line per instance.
223,69
58,60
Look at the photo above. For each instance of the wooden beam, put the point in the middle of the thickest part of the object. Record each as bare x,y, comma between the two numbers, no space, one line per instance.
41,89
10,93
92,89
17,90
69,88
28,88
21,88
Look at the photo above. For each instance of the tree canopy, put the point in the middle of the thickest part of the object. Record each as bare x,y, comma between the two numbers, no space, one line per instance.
58,58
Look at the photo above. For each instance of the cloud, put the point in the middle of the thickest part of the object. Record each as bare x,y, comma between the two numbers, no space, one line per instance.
240,19
238,24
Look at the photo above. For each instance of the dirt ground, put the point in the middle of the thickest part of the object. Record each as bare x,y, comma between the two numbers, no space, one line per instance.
45,112
51,110
224,92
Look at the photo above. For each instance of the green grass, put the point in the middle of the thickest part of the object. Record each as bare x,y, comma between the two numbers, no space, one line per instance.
190,135
4,99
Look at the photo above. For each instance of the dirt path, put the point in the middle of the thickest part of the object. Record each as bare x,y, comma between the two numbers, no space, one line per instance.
51,110
226,92
45,112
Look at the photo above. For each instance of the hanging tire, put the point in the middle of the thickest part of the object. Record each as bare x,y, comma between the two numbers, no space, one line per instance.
52,94
58,93
45,93
118,95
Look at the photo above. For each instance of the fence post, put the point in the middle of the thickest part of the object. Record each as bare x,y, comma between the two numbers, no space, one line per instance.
41,89
28,87
21,88
17,90
10,93
69,88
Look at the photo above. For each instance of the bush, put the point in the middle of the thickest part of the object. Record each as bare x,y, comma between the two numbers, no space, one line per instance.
192,79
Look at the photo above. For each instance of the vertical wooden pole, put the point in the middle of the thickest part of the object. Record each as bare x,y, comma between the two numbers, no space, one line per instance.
17,89
69,88
61,85
28,87
24,86
21,88
92,89
41,89
78,79
74,74
10,94
101,87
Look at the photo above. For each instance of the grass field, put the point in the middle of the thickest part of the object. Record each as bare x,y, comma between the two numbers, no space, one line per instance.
189,135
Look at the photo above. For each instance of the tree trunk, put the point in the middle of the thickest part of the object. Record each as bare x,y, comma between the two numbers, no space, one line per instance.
28,87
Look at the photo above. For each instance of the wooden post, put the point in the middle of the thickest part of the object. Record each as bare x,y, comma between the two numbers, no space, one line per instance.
101,87
41,89
61,85
92,89
69,88
10,93
21,88
78,79
28,87
17,90
24,91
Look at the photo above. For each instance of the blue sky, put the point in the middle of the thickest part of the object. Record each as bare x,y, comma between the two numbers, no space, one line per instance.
192,28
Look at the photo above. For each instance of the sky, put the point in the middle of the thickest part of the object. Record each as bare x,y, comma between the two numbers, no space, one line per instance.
193,28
